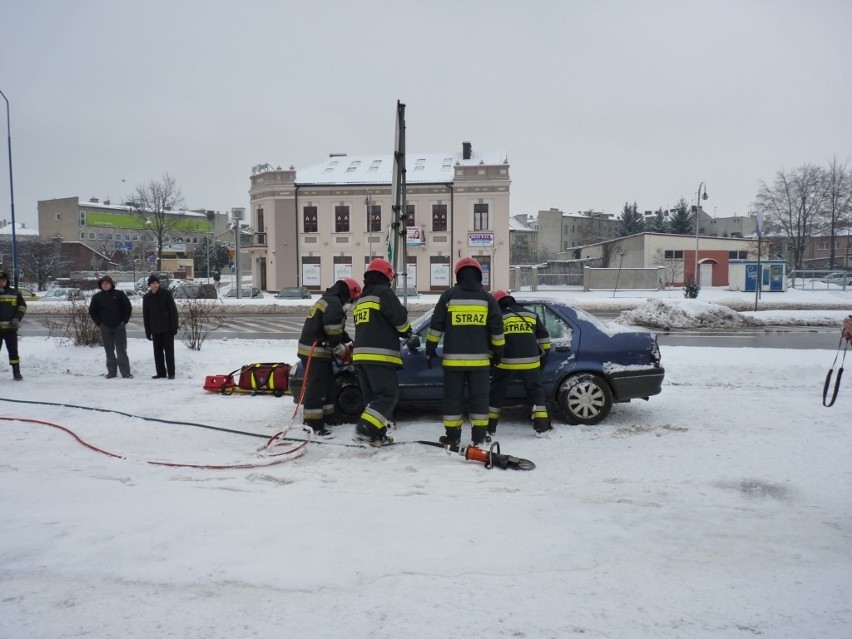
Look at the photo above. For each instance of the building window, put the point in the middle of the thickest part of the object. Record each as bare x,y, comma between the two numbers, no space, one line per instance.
82,235
823,246
374,218
310,219
91,236
439,217
737,255
341,219
480,217
409,215
674,255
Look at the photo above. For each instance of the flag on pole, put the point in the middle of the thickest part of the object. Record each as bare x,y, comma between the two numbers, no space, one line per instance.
390,243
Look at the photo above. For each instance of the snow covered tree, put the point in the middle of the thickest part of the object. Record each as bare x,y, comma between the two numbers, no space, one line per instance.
659,222
682,219
631,221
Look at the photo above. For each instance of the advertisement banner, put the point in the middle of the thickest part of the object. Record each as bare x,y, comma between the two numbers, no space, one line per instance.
480,239
439,275
342,271
413,236
311,274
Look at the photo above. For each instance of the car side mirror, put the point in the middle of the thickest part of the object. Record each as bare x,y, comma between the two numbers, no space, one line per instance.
413,343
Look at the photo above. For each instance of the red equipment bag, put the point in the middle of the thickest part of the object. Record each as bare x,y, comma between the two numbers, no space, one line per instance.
265,378
256,379
219,383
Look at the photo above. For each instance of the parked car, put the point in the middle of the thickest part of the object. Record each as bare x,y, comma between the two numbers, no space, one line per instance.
412,291
838,278
141,285
246,293
294,292
191,291
27,294
590,367
60,294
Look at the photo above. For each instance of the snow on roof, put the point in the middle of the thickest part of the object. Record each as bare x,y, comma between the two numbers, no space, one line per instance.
516,225
20,229
425,168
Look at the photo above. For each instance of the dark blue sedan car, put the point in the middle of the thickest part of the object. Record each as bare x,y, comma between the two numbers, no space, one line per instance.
590,367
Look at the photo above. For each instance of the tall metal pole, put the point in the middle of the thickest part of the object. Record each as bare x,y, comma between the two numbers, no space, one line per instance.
697,212
11,194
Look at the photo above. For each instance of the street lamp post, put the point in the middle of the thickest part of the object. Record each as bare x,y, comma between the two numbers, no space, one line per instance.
11,193
697,212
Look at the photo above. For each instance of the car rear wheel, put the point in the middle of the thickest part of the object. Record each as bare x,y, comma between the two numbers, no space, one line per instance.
349,402
585,399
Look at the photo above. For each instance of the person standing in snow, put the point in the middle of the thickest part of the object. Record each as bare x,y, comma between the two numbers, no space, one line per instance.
380,321
471,324
847,328
160,316
12,310
527,347
110,310
324,336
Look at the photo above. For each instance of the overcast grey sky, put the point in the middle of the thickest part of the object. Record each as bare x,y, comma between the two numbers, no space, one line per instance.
595,102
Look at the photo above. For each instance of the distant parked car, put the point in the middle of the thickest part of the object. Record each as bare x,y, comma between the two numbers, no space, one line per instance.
246,293
838,278
590,367
60,294
294,292
190,291
27,294
412,291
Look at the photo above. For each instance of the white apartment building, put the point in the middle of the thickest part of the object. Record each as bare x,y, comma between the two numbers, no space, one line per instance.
320,224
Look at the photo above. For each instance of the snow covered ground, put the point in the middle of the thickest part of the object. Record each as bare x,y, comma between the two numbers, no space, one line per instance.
719,508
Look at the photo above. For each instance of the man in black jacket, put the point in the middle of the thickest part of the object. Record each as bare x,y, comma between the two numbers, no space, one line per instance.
110,311
323,336
160,316
12,309
380,320
470,322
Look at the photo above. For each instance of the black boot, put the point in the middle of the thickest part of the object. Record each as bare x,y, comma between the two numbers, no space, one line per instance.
453,436
477,435
317,426
16,372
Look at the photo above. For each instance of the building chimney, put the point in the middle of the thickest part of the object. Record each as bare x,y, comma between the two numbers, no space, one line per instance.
93,200
467,149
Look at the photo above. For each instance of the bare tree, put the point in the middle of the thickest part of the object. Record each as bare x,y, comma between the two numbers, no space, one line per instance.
837,210
154,203
793,205
39,261
672,267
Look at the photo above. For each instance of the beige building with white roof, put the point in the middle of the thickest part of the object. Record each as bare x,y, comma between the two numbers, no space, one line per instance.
320,224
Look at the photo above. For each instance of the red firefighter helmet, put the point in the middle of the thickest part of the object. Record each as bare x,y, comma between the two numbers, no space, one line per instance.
381,265
467,261
354,288
499,295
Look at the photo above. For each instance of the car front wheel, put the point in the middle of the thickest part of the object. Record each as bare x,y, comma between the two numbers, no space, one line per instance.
585,399
349,401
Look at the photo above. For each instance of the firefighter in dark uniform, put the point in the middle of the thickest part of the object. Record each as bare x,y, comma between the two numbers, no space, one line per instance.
469,320
12,310
323,336
527,347
380,321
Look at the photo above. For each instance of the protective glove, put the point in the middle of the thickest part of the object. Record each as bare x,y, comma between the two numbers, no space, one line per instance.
406,334
14,322
431,353
496,356
543,357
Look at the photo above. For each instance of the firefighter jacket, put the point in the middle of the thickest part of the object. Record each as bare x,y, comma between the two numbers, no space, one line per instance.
12,306
469,320
526,338
325,326
380,320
